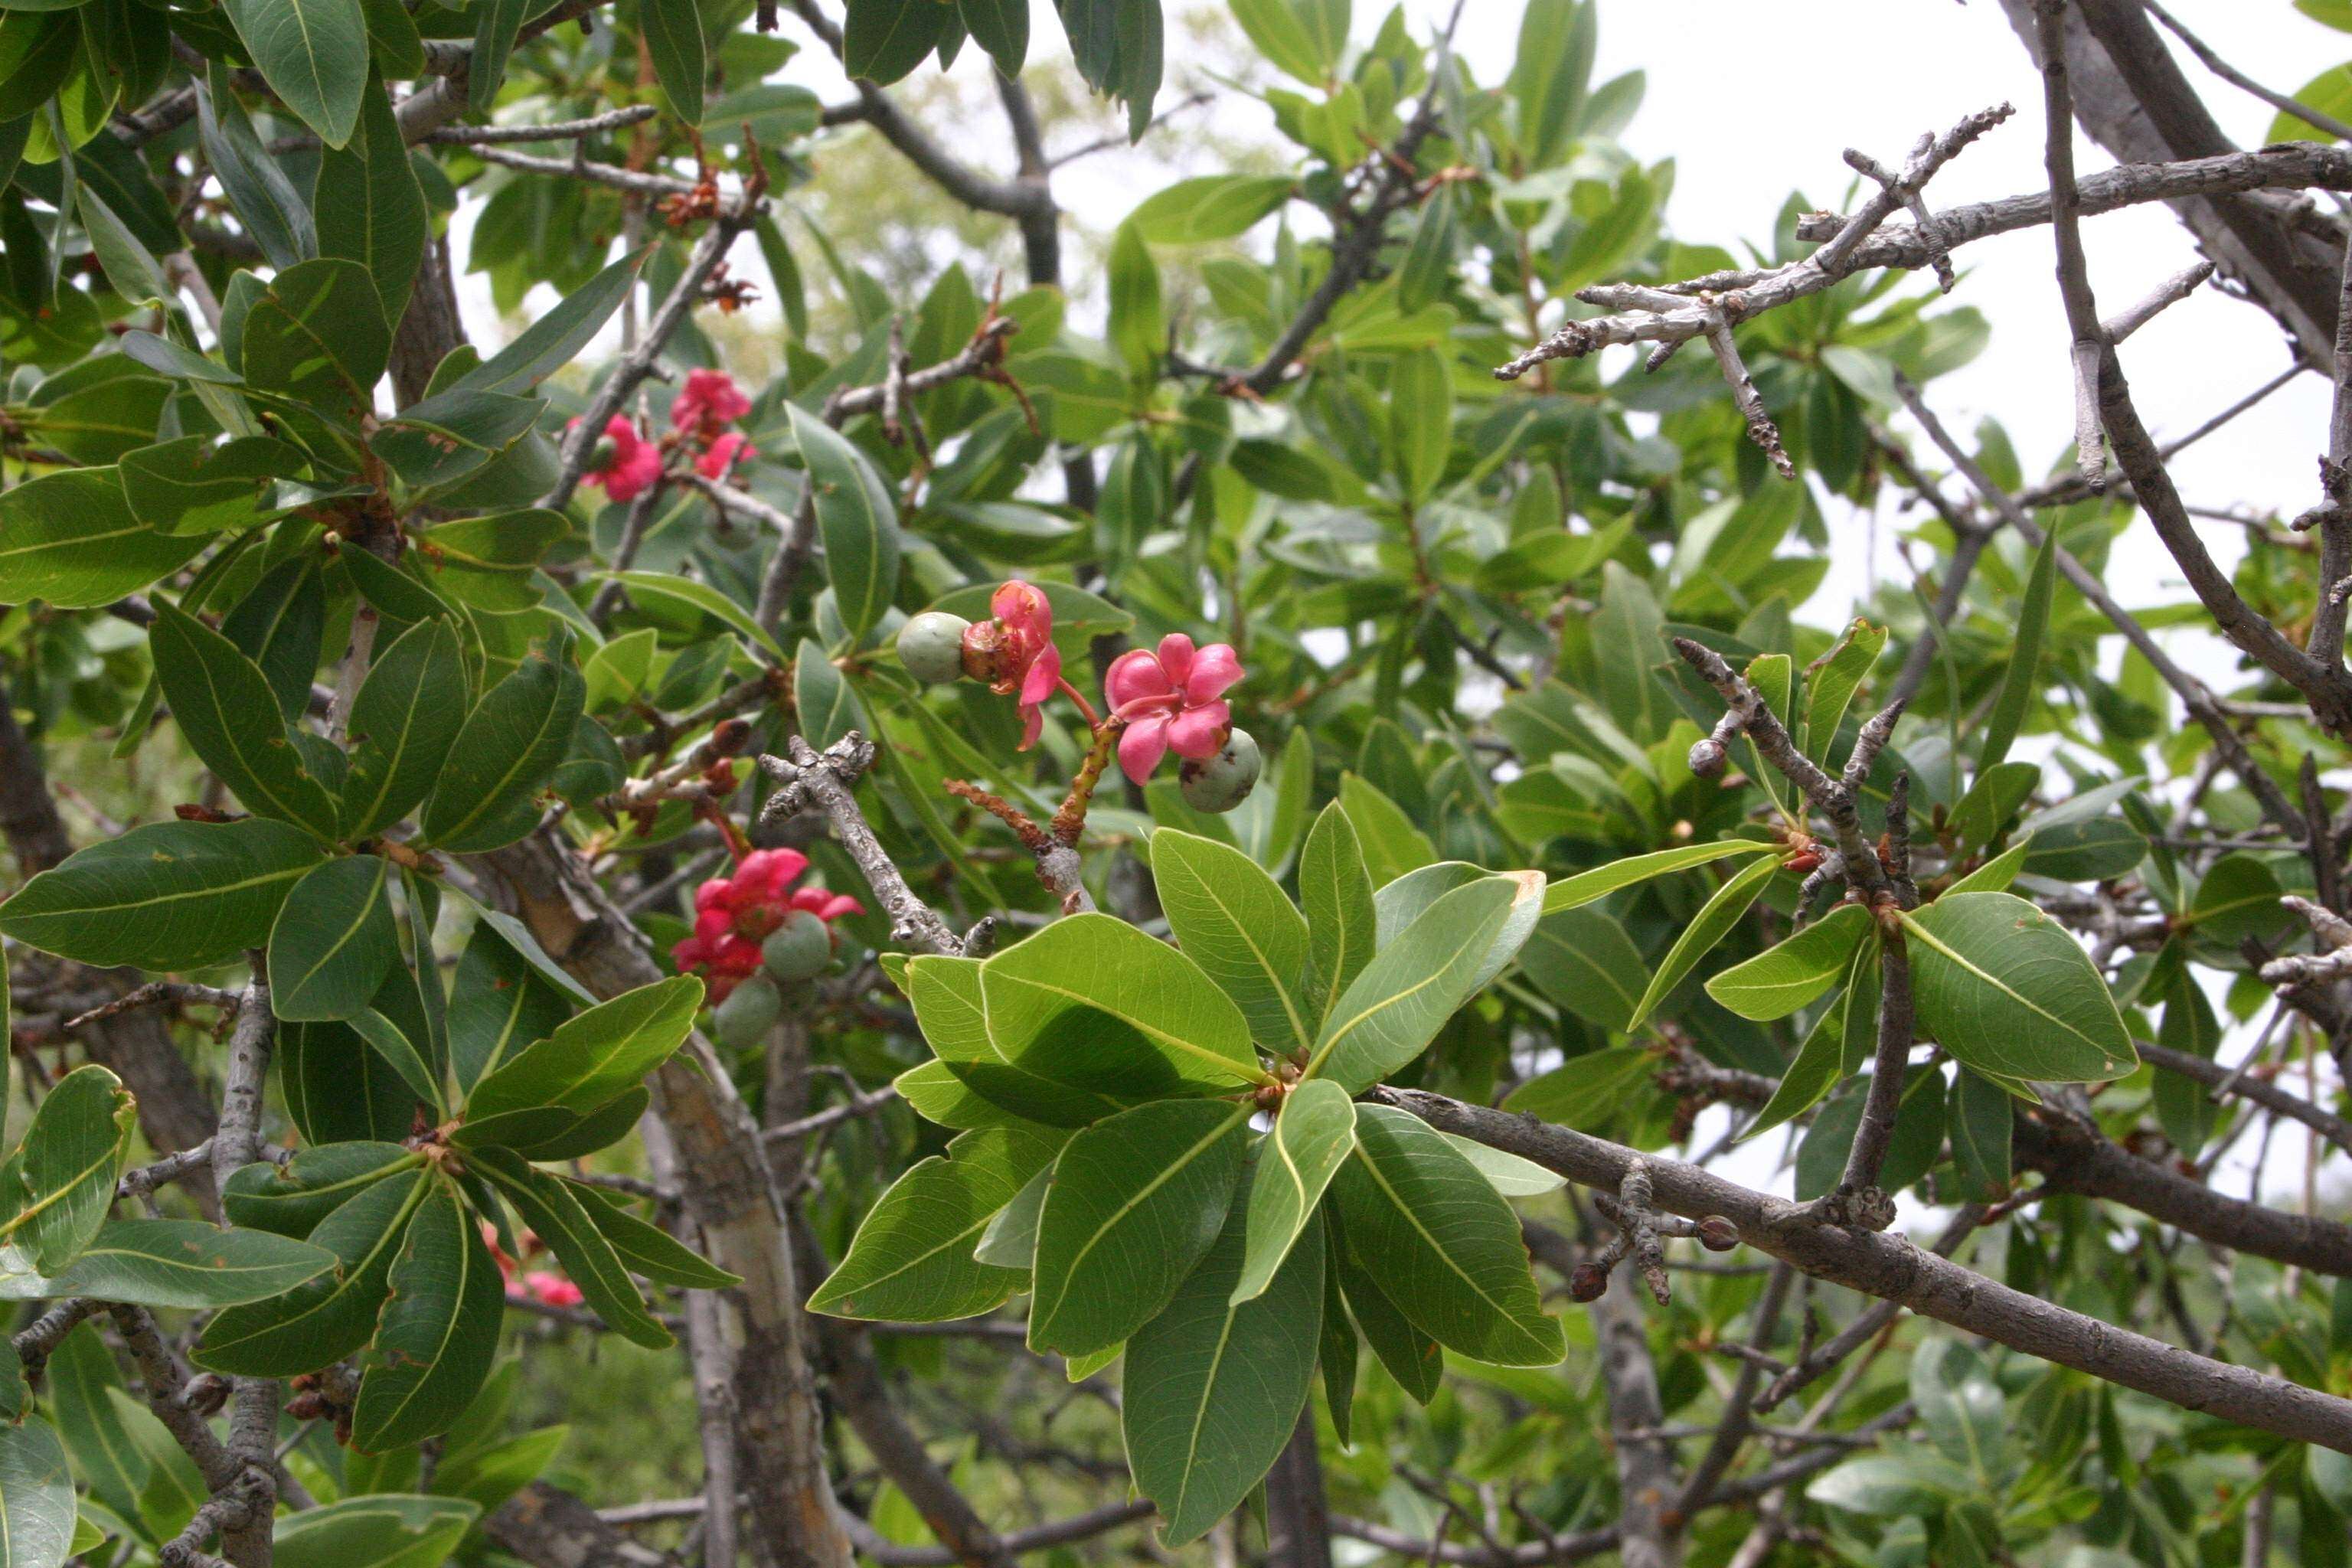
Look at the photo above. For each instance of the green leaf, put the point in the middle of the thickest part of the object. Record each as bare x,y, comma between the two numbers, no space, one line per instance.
1214,1384
1396,1006
1136,1200
440,440
913,1258
596,1056
82,1378
1000,28
328,1317
1447,1245
1063,1078
1234,922
882,41
37,1498
281,625
192,486
1832,682
1585,887
1089,971
231,719
1785,977
69,539
2330,92
556,339
1421,421
821,699
170,895
650,590
1411,1357
856,513
490,562
1207,207
1336,1352
1391,844
1709,926
498,1005
317,333
439,1331
2006,990
1583,961
1276,29
1312,1137
1981,1124
1138,329
388,1530
337,1087
334,941
673,30
497,25
1343,922
1960,1406
376,214
2020,683
650,1250
292,1198
170,1263
313,54
1509,1175
403,723
1584,1090
1407,899
548,1207
1996,874
265,200
1990,802
486,794
71,1158
1551,72
1820,1061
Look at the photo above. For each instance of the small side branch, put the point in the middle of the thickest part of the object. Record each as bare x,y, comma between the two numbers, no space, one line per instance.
808,780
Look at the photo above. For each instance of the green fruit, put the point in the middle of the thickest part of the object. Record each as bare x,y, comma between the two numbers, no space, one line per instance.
800,949
1222,781
932,647
749,1011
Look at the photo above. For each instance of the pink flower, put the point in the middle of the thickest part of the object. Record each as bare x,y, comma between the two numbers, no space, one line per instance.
553,1290
1173,697
633,464
727,451
708,399
732,915
1015,652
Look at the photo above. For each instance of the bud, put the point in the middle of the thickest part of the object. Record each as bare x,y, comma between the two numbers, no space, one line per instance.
1222,781
932,647
205,1394
1718,1234
1588,1281
749,1011
600,455
1707,758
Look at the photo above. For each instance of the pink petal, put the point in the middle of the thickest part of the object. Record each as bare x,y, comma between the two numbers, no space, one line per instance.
1135,676
1142,746
1216,668
840,904
1176,659
1033,724
1044,674
1024,608
1197,733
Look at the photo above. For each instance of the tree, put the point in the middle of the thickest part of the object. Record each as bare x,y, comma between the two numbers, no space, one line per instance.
1207,870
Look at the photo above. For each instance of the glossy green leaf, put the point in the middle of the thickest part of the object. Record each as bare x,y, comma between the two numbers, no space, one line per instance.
331,1316
2008,990
313,54
1135,1200
37,1498
170,895
369,208
334,940
595,1055
1584,1090
1983,1116
225,707
487,793
1396,1006
1831,683
555,339
70,539
1569,892
1214,1384
650,1250
2020,682
1447,1245
1090,973
317,334
913,1258
547,1206
388,1530
856,513
1581,960
1234,922
1341,917
71,1157
1209,206
292,1198
1411,1357
673,30
1710,925
1789,974
1312,1137
1000,28
170,1263
403,723
265,200
439,1331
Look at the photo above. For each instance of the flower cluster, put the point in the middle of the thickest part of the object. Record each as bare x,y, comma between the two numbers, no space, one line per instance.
1160,700
703,407
625,463
733,916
